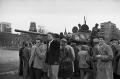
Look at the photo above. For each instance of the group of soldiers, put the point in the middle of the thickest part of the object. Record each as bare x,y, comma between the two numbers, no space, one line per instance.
59,59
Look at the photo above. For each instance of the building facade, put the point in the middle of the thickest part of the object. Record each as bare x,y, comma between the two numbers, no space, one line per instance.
108,30
5,27
33,27
9,40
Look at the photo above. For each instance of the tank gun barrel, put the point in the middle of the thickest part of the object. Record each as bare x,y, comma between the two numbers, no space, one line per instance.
29,32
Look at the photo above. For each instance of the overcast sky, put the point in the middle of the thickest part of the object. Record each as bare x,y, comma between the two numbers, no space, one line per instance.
55,15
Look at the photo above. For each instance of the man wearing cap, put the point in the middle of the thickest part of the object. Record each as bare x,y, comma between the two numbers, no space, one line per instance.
114,46
94,51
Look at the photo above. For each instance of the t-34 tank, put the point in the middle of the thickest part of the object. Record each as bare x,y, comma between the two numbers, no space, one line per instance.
83,36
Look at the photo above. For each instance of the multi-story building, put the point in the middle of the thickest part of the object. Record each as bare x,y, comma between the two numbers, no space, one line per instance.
108,30
33,27
5,27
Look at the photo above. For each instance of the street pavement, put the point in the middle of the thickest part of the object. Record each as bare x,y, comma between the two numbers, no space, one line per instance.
7,56
9,61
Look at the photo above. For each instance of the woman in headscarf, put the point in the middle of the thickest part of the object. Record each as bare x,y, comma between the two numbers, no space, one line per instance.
67,59
83,57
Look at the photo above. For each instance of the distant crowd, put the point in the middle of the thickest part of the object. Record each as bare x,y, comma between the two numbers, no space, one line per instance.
58,59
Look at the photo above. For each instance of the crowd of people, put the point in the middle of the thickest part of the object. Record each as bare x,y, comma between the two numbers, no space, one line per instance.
59,60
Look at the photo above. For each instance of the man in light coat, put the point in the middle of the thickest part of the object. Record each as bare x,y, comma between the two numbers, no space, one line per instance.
37,59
